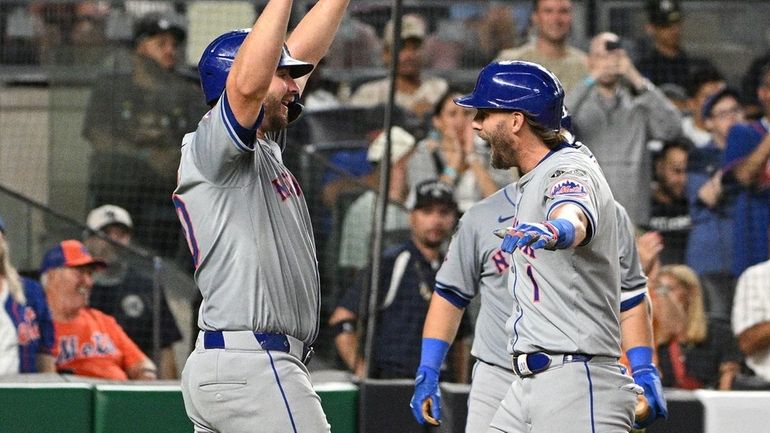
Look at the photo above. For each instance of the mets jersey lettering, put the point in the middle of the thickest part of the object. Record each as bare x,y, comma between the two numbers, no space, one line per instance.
286,186
69,347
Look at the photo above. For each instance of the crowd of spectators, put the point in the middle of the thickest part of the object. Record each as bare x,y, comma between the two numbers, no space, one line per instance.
687,155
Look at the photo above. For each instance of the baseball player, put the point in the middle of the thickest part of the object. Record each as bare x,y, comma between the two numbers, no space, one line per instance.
248,228
475,265
564,328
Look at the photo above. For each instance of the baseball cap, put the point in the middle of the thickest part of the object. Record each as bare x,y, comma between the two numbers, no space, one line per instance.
663,12
68,254
155,23
430,192
711,101
107,214
401,142
412,27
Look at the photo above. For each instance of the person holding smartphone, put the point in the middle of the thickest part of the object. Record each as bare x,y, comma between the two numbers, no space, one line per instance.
618,111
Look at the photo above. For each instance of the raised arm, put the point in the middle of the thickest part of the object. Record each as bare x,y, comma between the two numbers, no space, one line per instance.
256,62
313,36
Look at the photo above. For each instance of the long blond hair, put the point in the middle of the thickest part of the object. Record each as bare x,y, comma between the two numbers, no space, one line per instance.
9,273
697,324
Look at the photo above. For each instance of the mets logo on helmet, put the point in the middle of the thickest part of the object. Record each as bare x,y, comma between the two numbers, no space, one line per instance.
568,187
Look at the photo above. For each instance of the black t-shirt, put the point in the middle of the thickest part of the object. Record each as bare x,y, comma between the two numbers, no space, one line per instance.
131,303
702,360
661,69
673,222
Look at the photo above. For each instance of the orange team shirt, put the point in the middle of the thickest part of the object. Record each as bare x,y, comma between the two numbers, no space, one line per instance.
93,344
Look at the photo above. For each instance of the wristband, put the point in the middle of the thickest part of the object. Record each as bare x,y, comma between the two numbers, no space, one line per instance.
566,235
450,172
639,356
433,353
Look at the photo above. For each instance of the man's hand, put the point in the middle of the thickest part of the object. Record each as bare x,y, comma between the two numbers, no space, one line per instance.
426,401
549,235
647,377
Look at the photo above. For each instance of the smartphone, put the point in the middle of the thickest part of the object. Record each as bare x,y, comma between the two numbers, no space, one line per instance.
611,45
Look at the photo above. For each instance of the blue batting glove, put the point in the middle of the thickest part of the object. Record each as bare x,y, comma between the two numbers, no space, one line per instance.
534,235
426,401
647,377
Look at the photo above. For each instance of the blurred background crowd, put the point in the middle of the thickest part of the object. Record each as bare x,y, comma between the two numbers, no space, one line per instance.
672,97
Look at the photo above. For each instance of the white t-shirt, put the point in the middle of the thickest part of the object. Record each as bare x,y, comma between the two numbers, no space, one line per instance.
9,341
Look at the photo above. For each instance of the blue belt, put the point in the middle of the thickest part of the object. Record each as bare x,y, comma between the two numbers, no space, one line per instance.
246,340
529,364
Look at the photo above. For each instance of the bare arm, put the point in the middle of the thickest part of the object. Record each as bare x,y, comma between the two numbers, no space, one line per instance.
168,364
754,339
142,370
636,326
45,363
347,342
257,59
442,321
313,36
575,215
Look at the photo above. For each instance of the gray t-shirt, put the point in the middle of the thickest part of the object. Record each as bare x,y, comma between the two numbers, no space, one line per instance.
567,301
248,228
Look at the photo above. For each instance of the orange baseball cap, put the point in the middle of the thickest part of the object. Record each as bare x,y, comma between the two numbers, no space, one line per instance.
68,254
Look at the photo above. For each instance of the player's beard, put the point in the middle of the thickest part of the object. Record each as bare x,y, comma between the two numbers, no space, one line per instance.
502,157
275,118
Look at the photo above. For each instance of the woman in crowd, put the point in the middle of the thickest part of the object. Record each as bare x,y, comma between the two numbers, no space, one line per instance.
693,351
454,154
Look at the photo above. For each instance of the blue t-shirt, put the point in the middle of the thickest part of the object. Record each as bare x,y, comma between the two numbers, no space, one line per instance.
712,228
752,205
34,327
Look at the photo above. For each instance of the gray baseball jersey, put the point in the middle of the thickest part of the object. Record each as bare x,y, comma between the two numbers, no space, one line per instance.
567,301
475,265
249,232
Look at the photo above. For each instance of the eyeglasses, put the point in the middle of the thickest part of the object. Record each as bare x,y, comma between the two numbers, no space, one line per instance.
732,111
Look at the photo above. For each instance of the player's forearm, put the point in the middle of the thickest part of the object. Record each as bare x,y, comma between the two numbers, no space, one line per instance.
754,339
314,34
461,356
442,321
636,326
574,215
256,61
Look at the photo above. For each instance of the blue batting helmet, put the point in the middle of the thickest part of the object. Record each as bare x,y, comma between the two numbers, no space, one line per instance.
217,59
518,86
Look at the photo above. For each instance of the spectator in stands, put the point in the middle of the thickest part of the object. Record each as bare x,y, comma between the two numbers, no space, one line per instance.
751,318
415,92
454,154
616,111
88,342
711,206
666,61
678,96
26,330
670,215
471,38
751,83
135,121
61,24
702,84
356,227
121,290
407,278
693,350
746,167
553,22
356,46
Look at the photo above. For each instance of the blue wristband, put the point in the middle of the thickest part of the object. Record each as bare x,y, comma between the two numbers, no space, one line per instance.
639,356
566,233
433,353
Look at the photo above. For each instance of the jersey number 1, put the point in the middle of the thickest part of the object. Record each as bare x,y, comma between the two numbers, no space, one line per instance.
535,288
